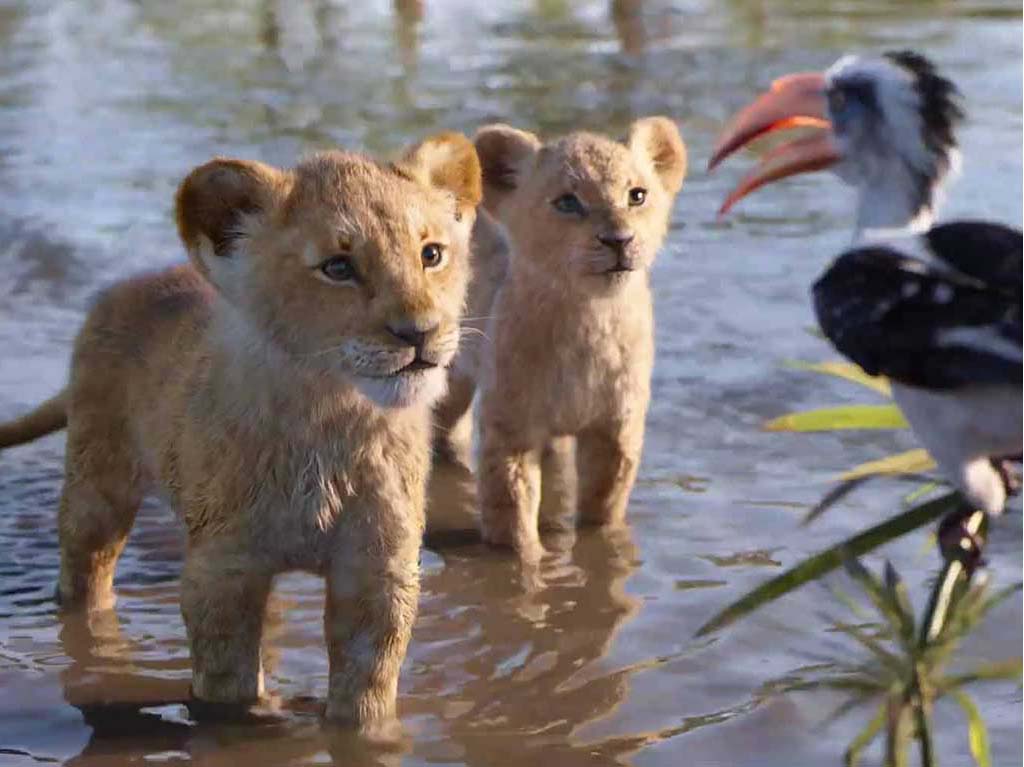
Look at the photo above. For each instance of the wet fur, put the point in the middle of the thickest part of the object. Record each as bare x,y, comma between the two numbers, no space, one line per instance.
224,385
569,346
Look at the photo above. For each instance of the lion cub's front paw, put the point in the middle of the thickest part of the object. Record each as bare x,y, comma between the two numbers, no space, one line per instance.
525,543
240,687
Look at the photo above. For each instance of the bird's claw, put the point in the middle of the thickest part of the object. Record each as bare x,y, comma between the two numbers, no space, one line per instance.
1009,474
956,541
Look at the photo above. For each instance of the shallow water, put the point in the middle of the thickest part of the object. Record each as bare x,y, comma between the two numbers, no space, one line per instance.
105,104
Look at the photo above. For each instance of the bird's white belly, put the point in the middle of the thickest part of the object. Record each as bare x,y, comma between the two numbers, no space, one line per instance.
971,422
962,429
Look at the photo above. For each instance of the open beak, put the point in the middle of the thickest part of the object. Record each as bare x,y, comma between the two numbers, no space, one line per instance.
793,101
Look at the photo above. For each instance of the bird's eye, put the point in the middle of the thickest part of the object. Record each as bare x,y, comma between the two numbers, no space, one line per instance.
433,256
338,269
637,196
836,101
568,203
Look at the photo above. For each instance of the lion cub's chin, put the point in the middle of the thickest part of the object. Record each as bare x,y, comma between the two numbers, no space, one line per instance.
612,282
418,388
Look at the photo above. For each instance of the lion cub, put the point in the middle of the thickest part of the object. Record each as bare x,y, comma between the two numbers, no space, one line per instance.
277,390
571,329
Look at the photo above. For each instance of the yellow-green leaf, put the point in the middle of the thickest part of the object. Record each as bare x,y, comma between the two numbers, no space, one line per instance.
977,735
847,371
920,492
911,462
844,417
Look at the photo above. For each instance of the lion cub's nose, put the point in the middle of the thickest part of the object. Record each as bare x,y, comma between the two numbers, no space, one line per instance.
616,241
413,333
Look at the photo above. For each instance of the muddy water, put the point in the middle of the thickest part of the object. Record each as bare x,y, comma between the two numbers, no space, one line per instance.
104,104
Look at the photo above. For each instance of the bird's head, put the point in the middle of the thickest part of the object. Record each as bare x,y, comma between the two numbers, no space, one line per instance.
886,125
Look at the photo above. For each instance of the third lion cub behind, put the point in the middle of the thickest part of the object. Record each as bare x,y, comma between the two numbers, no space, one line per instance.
570,333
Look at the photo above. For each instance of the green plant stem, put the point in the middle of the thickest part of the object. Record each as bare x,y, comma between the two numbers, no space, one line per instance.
896,737
922,715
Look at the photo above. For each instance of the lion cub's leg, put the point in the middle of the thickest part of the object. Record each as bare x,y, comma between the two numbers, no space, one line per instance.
607,459
558,483
373,591
451,425
509,488
101,496
223,600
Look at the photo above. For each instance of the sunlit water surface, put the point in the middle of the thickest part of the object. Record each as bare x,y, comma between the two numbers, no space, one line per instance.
105,104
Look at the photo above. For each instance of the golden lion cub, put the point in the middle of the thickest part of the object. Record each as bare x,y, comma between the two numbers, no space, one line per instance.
571,332
278,391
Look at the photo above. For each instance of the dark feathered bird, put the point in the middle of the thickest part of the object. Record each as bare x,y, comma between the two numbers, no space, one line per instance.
936,309
949,340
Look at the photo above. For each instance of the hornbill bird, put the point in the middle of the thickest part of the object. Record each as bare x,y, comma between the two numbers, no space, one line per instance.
936,309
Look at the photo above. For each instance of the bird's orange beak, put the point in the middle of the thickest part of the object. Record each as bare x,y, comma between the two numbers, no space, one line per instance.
793,101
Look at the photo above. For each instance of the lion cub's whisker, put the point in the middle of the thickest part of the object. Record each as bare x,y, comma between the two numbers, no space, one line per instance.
469,331
328,350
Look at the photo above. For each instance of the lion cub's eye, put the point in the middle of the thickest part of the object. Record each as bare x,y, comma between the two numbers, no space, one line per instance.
433,256
338,269
637,196
568,203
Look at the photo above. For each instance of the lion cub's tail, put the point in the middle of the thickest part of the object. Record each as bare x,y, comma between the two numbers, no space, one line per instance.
50,416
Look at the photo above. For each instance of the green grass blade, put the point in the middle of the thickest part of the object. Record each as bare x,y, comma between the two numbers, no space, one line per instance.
899,598
828,560
866,736
1007,591
872,645
882,599
843,417
1007,669
977,734
847,371
846,707
872,586
915,461
832,497
856,608
920,492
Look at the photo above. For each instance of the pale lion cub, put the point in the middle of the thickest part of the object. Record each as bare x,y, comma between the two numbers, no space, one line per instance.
277,390
571,341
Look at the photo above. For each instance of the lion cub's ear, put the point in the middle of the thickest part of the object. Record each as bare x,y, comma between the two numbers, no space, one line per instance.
215,202
657,139
447,161
504,153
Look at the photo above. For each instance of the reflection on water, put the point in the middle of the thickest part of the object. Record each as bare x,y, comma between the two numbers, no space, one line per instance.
104,104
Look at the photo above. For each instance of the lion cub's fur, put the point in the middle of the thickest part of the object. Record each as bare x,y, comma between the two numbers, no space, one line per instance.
569,345
262,400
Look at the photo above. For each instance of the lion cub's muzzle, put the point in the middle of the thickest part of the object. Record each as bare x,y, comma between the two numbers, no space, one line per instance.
624,255
410,369
417,336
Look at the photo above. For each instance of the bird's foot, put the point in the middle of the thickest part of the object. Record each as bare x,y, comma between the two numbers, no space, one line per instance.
1009,474
957,541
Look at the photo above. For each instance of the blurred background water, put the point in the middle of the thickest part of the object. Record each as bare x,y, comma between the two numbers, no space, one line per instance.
106,104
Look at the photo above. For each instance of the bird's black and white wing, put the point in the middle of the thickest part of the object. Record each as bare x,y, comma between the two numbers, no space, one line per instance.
990,253
920,325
